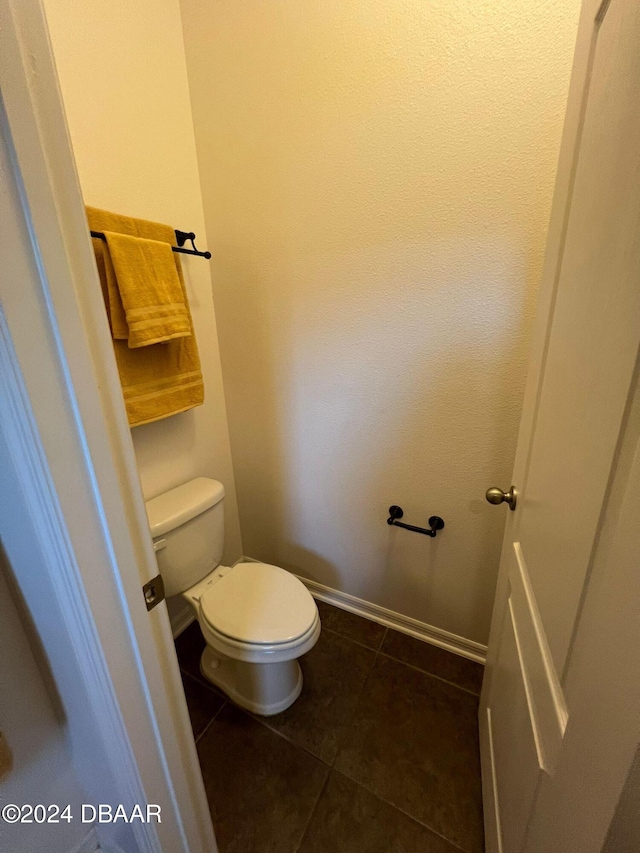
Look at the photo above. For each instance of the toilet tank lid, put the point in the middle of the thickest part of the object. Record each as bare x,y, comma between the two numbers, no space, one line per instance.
176,507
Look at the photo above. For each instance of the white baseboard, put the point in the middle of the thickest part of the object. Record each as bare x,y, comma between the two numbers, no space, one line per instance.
405,624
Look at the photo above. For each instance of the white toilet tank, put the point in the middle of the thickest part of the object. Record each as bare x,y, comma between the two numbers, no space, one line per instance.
187,526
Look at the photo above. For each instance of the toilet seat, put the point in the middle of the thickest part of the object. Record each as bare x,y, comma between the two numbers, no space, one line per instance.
261,653
260,606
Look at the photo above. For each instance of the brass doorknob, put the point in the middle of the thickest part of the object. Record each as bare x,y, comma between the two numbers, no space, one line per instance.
497,496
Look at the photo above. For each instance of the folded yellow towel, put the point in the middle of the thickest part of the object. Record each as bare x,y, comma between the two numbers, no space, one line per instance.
158,380
111,293
148,292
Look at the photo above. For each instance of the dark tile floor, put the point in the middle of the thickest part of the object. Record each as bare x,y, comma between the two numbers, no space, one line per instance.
378,755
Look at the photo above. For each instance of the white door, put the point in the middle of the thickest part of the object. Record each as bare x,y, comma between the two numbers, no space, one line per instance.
575,424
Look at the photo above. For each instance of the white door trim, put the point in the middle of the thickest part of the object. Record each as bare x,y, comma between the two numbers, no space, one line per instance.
100,709
74,449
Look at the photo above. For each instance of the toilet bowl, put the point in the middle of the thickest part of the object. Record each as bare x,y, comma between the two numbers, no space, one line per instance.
257,619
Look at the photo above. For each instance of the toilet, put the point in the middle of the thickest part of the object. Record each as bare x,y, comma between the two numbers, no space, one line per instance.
257,619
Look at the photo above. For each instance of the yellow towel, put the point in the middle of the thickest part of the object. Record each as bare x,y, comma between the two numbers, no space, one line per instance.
148,292
157,380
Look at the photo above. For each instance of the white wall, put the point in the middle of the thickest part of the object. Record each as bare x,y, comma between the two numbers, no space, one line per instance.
377,179
124,84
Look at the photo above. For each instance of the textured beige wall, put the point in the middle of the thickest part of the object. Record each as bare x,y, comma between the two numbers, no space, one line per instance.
377,179
124,84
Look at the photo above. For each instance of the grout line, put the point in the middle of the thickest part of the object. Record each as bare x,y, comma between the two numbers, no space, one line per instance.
314,810
379,651
348,721
381,799
402,811
256,717
263,722
431,675
392,805
211,721
351,640
384,637
203,682
380,646
331,766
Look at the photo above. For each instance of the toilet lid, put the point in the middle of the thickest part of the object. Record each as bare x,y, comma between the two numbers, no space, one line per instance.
258,603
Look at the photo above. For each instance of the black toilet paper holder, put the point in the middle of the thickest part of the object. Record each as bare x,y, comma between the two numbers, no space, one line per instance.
435,522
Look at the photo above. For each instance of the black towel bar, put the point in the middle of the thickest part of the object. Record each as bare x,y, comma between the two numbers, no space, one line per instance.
181,239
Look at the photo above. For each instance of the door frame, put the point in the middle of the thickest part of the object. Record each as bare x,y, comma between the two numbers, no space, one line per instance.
64,422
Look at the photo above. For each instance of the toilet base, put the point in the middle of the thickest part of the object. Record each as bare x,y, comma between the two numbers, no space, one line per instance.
262,688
